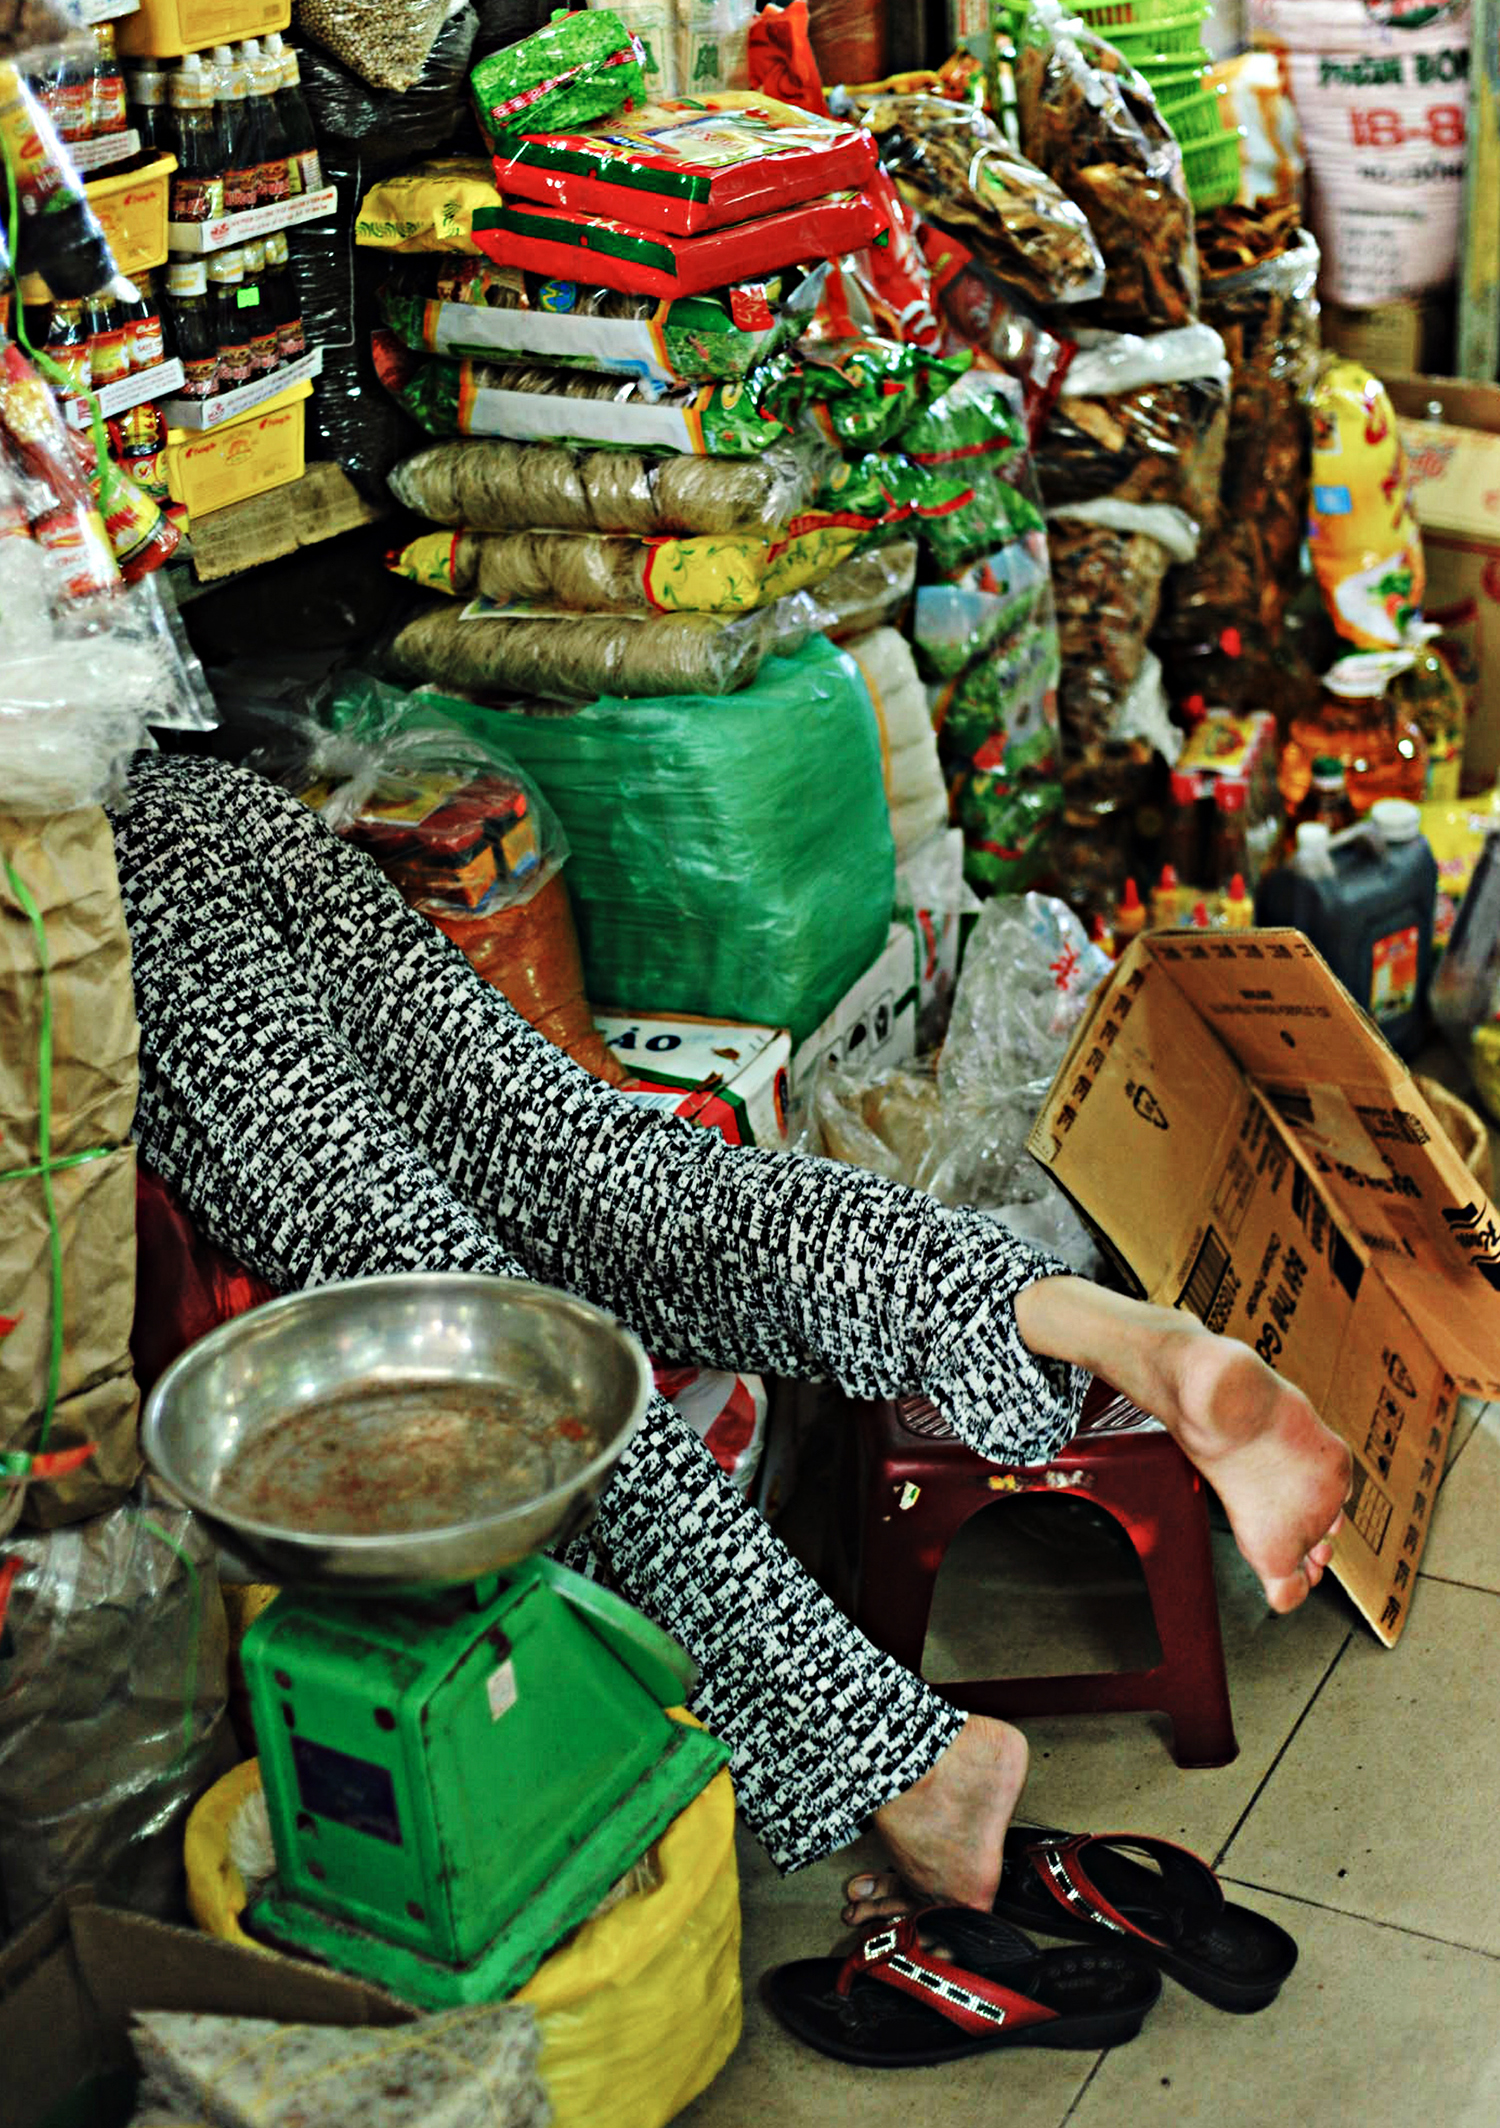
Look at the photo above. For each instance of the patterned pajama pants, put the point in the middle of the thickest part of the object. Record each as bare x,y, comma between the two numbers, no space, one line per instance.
335,1093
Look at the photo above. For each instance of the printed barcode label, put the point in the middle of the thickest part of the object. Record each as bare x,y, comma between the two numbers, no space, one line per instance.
1205,1280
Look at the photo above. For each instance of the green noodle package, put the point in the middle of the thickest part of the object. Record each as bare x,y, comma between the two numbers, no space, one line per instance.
575,68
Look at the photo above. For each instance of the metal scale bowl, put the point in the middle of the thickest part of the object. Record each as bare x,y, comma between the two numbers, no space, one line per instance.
462,1743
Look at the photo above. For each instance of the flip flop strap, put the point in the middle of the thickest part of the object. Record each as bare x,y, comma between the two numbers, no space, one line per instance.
967,2000
1060,1867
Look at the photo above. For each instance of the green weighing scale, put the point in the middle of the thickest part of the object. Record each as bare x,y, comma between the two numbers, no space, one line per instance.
463,1745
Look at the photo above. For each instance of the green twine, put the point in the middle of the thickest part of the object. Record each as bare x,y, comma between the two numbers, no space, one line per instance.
44,1168
190,1677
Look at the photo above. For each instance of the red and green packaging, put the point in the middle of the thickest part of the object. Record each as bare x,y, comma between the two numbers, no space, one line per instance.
617,254
692,164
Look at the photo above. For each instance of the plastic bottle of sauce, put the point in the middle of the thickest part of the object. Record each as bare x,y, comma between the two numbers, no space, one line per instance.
67,344
146,106
141,307
273,179
109,336
279,289
107,85
58,235
1130,916
1166,900
233,322
1327,797
241,135
304,164
1231,850
191,327
1365,898
1360,719
197,142
1237,911
265,344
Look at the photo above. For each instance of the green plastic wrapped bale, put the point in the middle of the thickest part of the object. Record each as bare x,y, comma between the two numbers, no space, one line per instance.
575,68
731,855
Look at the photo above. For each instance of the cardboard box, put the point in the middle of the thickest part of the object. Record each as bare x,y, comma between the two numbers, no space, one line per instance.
729,1078
1398,337
168,28
1455,484
1248,1148
875,1022
69,1983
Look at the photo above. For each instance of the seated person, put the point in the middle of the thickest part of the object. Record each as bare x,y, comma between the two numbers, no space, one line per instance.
335,1093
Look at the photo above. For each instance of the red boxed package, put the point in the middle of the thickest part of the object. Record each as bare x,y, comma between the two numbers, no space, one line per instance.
690,165
568,246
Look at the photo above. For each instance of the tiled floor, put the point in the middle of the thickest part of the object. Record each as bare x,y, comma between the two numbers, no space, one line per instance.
1363,1812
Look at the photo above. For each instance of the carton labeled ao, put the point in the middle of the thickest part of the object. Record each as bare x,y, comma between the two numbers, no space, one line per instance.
1248,1147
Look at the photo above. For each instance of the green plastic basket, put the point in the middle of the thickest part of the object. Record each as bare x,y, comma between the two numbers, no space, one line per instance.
1194,117
1171,83
1212,170
1172,40
1135,16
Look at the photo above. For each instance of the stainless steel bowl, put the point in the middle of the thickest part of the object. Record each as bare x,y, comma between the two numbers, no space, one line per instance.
474,1343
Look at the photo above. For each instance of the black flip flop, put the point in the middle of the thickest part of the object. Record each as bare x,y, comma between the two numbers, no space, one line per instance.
894,2006
1083,1885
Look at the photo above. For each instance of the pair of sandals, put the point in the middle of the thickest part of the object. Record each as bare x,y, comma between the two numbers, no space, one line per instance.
894,2005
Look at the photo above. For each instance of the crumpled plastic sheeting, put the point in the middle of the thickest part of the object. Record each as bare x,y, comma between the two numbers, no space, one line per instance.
112,1695
957,1126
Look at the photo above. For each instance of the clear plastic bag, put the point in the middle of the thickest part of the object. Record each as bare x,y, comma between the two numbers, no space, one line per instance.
958,1128
492,485
385,42
451,822
112,1695
575,68
934,899
390,124
983,314
1266,312
1109,563
572,657
985,604
1091,122
956,168
1146,420
870,590
1465,993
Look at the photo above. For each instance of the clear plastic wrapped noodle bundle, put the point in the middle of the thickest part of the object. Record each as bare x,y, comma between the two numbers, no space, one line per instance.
473,310
741,865
112,1695
955,167
498,486
870,590
1091,122
597,572
1144,420
571,657
528,403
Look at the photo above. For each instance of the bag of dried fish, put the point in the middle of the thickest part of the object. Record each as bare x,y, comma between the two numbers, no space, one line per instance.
490,485
1260,274
1145,420
1109,561
956,168
1091,122
529,403
572,657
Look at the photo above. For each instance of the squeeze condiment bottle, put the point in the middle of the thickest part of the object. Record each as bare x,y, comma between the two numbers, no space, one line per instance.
1130,916
1238,911
1166,900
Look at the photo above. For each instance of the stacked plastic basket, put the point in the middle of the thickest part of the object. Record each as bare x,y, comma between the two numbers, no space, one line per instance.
1164,40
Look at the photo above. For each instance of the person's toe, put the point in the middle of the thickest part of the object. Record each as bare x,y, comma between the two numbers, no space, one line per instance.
891,1908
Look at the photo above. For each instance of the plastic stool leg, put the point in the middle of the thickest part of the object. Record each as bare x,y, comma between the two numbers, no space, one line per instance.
1179,1571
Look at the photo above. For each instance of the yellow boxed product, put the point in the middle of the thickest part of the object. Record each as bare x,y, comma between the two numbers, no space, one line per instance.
132,211
263,449
166,29
1249,1149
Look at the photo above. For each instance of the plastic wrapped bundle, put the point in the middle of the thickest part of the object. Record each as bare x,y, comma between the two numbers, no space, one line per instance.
1145,420
870,590
908,750
571,657
392,124
1109,562
112,1695
730,856
492,485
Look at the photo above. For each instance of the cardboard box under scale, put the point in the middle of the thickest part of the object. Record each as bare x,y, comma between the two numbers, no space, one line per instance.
1249,1148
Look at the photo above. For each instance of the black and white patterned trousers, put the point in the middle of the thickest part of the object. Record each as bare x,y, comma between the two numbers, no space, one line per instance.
335,1093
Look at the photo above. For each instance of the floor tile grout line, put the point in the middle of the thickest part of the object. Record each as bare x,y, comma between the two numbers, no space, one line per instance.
1282,1750
1447,1581
1347,1913
1078,2096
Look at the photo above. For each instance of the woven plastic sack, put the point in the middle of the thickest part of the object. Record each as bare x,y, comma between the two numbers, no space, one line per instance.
731,856
641,2008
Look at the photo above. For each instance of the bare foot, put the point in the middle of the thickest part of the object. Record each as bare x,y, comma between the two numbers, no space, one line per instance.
1281,1475
946,1835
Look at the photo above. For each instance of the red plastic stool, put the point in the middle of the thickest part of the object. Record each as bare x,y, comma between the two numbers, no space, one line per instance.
919,1485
